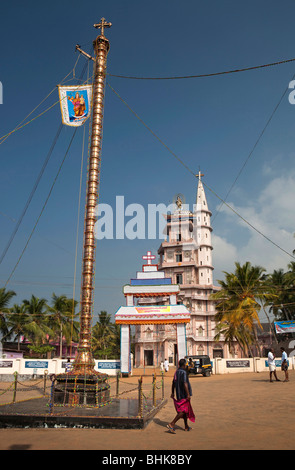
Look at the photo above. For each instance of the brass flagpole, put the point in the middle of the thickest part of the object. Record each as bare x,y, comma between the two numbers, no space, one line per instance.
84,362
83,384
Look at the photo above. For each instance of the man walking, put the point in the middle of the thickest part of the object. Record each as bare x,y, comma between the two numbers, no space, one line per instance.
272,365
284,365
182,387
166,365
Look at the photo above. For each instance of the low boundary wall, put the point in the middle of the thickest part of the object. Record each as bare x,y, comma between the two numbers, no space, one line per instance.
256,364
36,367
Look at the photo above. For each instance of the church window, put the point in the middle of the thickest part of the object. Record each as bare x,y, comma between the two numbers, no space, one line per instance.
148,333
178,278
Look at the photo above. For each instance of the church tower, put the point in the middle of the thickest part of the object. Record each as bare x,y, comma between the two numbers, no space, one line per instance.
203,230
186,257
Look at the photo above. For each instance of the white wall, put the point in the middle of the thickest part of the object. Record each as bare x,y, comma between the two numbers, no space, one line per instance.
111,367
257,364
51,366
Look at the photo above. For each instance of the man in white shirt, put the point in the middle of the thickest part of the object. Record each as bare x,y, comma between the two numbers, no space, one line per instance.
285,364
272,365
166,365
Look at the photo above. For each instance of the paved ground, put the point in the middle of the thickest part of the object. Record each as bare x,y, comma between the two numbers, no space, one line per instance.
242,411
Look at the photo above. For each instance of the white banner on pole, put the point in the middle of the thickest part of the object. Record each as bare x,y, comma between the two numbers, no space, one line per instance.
75,104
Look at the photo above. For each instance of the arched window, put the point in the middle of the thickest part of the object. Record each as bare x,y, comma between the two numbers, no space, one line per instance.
201,350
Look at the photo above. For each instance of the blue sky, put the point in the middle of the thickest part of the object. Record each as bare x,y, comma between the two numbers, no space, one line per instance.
210,123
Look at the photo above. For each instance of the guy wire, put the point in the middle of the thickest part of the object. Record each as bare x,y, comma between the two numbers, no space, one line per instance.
196,176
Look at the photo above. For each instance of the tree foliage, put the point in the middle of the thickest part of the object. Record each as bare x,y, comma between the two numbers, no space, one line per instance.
40,323
244,294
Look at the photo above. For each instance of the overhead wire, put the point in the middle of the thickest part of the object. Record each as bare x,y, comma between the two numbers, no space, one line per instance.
151,131
5,136
223,201
36,184
34,190
226,72
20,126
253,148
290,290
196,176
42,210
281,305
78,225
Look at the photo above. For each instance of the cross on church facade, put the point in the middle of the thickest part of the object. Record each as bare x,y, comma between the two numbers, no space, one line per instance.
149,257
103,24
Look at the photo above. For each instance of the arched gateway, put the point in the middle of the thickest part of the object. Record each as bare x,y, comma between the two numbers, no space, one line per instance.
152,285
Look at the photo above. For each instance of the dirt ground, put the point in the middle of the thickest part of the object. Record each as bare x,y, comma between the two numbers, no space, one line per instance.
241,411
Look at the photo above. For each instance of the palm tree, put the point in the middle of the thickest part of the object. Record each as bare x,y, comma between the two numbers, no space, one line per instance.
17,322
104,336
61,319
237,306
290,279
5,298
282,283
37,329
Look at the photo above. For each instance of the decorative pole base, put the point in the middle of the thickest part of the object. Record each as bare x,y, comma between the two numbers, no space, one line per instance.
82,385
82,389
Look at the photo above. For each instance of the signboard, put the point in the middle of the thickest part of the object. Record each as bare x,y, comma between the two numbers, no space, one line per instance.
109,365
36,364
155,309
241,363
284,326
6,363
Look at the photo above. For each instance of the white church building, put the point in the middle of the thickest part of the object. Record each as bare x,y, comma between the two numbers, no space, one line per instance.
186,258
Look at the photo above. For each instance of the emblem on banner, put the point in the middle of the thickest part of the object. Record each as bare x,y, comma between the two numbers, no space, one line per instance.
75,104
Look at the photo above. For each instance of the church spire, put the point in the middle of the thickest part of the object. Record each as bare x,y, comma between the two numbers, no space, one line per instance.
201,201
